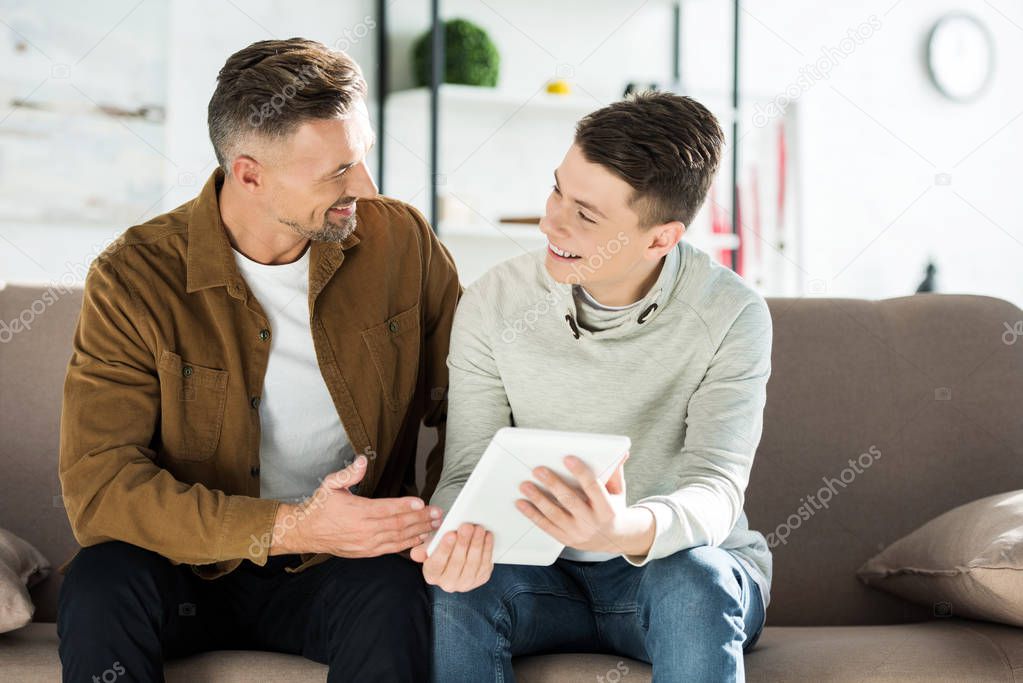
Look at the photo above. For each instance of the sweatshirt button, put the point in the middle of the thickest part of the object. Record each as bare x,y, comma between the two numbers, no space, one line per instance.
642,316
254,402
254,470
264,334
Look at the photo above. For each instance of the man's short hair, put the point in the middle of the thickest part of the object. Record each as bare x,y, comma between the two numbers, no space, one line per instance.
666,147
270,88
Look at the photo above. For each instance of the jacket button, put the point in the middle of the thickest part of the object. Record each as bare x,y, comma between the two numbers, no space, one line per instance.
254,470
392,326
187,371
264,334
254,402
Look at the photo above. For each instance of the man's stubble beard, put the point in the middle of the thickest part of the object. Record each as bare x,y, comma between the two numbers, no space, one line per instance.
328,232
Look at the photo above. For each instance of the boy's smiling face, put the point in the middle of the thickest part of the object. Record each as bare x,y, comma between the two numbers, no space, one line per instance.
594,233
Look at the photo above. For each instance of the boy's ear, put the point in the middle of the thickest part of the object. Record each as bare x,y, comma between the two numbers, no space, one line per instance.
664,237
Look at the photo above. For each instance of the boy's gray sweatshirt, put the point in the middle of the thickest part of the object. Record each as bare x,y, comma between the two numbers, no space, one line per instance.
683,374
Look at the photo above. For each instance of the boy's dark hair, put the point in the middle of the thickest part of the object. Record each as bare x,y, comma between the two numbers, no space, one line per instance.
666,147
271,87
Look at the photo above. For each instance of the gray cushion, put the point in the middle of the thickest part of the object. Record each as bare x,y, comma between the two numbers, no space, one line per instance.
21,566
946,650
969,558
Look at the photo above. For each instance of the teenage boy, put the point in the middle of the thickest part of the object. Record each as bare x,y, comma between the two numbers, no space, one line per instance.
618,328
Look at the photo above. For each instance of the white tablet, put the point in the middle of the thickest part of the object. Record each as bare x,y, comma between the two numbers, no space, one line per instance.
488,497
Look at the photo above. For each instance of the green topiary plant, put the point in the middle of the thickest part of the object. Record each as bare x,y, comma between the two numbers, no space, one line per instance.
470,57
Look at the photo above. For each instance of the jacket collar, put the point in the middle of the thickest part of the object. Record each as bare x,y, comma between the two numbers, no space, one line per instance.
209,261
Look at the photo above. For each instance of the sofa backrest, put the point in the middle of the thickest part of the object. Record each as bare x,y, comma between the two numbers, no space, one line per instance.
929,387
36,327
926,386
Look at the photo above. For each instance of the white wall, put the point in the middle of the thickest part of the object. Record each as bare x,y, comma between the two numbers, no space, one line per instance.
207,33
201,35
874,135
72,177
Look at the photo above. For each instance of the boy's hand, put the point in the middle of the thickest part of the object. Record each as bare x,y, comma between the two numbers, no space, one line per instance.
463,560
595,518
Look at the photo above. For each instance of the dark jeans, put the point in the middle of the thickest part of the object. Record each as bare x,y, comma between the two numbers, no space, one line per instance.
123,610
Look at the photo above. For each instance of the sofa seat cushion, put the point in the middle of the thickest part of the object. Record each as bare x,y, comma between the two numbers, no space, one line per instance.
941,650
30,654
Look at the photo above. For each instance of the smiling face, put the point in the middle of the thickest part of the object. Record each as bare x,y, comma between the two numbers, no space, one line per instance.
315,176
290,129
595,237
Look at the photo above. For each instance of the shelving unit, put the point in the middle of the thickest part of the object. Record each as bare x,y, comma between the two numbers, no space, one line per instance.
453,94
439,95
577,104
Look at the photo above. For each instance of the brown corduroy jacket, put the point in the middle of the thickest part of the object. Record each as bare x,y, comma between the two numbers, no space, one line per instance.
160,428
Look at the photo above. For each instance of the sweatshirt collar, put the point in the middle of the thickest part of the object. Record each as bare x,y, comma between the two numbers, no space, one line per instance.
655,300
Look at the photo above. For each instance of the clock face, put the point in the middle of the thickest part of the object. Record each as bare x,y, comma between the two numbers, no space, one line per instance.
960,56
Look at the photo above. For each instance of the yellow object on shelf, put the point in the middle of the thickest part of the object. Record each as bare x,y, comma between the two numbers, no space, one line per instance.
559,87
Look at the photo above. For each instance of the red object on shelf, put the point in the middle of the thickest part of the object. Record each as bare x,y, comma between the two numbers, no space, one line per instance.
718,225
757,226
740,251
782,167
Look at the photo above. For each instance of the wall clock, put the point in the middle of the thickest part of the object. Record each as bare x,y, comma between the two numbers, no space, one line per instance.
960,56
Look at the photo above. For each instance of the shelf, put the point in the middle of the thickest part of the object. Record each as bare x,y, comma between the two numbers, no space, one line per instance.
576,103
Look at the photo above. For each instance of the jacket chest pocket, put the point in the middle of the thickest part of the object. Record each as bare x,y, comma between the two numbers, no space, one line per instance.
192,399
394,347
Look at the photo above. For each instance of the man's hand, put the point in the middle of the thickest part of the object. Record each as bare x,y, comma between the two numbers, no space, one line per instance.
336,521
595,518
462,561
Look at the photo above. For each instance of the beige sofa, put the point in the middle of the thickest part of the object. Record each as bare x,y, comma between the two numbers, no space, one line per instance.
926,379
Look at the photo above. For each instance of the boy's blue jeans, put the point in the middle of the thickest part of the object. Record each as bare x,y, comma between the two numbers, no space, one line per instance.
691,615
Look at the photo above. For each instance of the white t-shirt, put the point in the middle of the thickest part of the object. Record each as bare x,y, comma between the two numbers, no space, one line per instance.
303,439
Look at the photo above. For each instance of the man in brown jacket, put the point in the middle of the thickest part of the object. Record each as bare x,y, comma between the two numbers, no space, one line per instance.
244,397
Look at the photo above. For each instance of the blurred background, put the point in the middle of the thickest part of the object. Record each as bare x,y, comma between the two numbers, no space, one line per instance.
872,145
